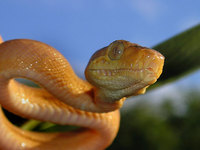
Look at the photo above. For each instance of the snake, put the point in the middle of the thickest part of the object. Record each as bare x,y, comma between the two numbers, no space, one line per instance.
115,72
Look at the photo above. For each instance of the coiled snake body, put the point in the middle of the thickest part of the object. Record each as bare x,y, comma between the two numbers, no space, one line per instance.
117,71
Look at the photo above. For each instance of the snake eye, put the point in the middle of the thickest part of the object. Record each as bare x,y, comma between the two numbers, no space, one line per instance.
116,50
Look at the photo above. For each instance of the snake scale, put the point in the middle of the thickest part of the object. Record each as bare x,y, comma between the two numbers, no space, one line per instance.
120,70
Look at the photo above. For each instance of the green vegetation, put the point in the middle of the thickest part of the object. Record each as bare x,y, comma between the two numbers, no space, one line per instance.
144,128
182,54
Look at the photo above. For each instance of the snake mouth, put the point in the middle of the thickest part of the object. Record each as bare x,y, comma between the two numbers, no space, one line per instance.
114,72
122,78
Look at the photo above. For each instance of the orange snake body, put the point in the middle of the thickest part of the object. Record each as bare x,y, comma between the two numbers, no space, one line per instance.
67,99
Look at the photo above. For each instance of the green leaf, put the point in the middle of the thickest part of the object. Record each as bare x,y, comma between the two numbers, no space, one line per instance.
182,55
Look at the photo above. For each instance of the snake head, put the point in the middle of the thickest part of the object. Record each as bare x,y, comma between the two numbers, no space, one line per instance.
123,69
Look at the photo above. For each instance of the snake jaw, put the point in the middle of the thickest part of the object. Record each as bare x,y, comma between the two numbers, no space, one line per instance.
121,79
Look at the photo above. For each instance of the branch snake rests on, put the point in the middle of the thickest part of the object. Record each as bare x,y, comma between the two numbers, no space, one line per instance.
115,72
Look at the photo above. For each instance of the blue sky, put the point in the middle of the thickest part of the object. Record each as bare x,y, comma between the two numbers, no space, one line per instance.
77,28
